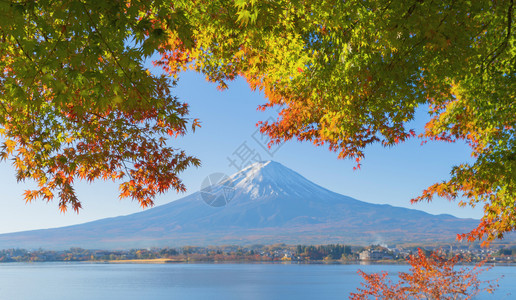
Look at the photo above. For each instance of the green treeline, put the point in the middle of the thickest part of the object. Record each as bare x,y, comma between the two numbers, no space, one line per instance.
258,253
320,252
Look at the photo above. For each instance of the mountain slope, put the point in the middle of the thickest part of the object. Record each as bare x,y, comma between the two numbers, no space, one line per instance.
269,203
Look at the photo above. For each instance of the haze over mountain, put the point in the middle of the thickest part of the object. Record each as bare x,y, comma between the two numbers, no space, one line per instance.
264,203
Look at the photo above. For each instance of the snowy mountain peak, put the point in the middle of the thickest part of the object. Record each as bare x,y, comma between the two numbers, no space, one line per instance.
270,178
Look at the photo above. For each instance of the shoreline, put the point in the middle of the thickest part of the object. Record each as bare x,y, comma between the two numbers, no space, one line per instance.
163,261
318,262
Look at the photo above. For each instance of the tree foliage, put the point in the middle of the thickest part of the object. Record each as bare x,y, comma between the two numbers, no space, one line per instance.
77,102
349,74
430,277
345,74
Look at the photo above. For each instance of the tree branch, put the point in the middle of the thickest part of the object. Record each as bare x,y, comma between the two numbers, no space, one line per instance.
505,42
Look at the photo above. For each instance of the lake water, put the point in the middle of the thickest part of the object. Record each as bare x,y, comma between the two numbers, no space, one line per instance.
77,281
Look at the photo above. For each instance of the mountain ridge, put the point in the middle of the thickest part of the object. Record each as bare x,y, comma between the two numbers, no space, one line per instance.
269,203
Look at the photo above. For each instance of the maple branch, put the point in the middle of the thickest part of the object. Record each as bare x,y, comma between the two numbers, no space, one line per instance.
139,129
24,53
112,52
40,65
412,8
503,45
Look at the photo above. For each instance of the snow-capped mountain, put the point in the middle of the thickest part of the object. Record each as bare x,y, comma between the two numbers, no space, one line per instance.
271,179
263,203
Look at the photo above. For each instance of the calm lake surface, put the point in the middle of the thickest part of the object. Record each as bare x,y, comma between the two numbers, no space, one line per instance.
56,281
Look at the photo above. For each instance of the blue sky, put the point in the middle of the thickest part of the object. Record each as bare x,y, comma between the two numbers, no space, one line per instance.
388,175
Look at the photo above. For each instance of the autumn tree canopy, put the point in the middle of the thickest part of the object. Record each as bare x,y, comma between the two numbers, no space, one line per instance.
78,103
432,276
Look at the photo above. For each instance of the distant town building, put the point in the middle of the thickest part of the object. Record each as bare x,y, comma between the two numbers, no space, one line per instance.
374,255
